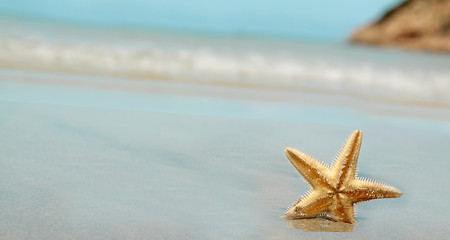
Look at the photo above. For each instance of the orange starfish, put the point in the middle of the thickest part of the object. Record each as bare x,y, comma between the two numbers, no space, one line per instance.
335,189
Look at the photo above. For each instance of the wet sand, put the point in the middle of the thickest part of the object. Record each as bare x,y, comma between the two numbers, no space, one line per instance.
121,159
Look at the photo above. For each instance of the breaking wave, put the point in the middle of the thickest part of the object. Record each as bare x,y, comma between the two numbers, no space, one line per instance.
227,60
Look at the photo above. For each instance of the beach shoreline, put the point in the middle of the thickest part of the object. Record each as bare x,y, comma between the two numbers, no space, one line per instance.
231,91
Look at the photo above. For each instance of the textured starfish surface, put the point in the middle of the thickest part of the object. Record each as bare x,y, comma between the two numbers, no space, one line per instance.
336,188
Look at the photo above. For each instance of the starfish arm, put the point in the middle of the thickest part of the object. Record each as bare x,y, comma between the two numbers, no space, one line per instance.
364,190
313,204
342,209
345,164
313,171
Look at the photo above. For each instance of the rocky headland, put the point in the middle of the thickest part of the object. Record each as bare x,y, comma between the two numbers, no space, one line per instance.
414,24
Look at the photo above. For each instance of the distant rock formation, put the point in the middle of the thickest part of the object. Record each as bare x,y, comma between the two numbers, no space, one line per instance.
414,24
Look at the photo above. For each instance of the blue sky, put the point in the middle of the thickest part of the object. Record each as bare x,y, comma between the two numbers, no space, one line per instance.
318,19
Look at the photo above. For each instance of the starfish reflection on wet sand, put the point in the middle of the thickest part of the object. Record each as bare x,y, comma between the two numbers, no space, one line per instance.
337,188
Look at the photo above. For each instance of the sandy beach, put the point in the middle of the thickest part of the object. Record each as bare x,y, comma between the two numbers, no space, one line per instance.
103,158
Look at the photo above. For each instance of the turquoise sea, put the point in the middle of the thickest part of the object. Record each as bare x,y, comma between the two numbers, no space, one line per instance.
285,18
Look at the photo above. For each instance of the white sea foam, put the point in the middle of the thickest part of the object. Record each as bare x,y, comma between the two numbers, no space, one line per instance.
327,67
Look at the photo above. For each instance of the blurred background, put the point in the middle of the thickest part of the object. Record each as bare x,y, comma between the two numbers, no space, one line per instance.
299,45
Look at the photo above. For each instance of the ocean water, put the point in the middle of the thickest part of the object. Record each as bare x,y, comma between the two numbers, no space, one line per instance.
283,18
292,64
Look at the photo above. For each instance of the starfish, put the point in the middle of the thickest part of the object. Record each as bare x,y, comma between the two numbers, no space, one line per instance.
335,189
